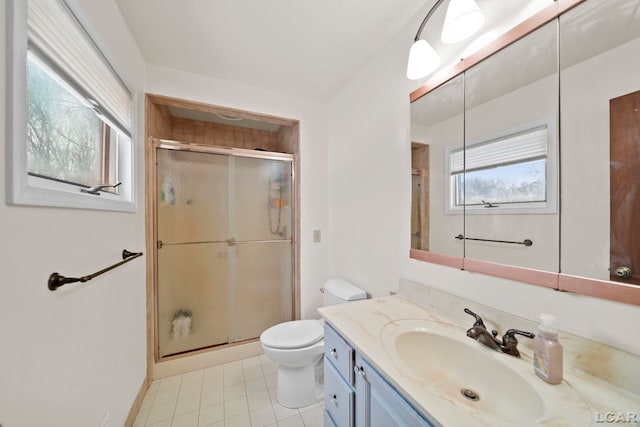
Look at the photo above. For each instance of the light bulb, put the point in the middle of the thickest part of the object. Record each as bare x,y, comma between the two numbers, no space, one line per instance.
463,18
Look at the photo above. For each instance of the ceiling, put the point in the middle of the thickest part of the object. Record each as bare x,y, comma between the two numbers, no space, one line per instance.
310,49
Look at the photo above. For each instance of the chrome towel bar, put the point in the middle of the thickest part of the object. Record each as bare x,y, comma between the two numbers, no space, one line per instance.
56,280
526,242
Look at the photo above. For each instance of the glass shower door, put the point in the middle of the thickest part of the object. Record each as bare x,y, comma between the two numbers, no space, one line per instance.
192,264
262,254
225,253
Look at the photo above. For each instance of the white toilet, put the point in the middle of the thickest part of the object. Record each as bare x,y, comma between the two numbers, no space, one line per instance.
297,347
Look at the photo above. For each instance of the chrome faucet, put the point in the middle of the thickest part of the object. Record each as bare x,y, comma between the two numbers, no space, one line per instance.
508,344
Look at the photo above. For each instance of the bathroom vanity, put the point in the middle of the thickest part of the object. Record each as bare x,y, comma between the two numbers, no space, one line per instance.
405,360
355,394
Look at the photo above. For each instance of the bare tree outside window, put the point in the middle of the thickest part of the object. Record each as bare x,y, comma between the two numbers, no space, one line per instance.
64,136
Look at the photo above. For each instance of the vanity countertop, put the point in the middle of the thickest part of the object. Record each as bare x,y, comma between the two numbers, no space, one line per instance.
585,397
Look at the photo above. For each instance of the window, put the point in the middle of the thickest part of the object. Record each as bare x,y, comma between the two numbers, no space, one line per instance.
72,118
513,172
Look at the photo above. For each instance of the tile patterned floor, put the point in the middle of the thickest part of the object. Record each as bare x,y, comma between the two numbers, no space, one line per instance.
237,394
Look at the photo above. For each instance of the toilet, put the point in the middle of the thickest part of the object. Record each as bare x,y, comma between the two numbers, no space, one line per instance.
298,346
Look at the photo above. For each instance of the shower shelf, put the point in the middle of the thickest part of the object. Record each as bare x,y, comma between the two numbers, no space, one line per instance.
56,280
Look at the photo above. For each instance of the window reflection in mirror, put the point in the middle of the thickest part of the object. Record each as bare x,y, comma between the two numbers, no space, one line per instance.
600,110
511,113
436,127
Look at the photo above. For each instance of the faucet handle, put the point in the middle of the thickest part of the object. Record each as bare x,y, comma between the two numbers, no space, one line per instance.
479,321
511,334
510,343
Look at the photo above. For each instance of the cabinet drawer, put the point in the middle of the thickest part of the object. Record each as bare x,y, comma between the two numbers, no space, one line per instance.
338,397
339,353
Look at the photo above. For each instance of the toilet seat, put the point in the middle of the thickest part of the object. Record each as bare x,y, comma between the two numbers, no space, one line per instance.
293,334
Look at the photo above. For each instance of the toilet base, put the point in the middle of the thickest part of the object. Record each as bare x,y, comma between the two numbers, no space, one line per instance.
297,386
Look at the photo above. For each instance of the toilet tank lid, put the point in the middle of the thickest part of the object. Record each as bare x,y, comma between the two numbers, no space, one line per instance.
344,290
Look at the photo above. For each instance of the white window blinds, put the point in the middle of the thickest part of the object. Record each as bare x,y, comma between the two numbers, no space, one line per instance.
56,34
527,145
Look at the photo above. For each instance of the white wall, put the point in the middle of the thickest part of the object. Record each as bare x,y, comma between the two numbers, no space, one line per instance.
313,175
370,193
69,357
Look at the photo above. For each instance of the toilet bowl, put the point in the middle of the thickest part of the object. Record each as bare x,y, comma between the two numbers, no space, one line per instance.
298,346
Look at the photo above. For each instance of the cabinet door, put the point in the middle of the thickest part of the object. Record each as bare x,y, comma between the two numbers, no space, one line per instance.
379,405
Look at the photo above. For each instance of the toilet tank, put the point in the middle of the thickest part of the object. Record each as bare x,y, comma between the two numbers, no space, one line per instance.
339,291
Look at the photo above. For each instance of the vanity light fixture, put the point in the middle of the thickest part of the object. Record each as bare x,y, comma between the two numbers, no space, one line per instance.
463,18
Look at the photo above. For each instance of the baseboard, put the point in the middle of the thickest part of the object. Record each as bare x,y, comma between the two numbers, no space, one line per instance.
137,403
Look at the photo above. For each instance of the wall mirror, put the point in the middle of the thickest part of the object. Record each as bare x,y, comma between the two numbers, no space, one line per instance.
510,162
561,90
600,110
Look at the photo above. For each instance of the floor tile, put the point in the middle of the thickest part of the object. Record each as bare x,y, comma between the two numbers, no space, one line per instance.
258,400
313,417
283,413
256,385
160,413
241,393
211,415
262,417
252,372
185,406
235,407
186,420
165,396
242,420
210,399
234,391
295,421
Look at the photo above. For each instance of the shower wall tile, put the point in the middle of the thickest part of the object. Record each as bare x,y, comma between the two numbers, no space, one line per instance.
199,132
158,120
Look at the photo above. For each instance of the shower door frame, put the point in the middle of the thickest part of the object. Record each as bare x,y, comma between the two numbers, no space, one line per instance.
152,206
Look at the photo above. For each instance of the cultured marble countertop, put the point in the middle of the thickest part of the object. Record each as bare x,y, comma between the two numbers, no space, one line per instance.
582,399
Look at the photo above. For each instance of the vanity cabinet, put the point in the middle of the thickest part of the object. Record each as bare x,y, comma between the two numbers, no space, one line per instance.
339,392
356,395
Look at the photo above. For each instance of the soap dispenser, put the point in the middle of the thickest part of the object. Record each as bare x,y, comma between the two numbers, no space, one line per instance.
547,351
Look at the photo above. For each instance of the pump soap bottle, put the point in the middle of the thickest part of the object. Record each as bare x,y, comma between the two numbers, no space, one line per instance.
547,351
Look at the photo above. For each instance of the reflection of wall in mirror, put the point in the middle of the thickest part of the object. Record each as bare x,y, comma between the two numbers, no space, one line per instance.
586,89
442,228
529,103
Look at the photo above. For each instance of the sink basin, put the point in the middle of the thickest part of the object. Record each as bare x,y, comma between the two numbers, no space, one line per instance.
449,363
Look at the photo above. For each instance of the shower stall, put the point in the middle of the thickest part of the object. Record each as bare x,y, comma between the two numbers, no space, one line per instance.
224,258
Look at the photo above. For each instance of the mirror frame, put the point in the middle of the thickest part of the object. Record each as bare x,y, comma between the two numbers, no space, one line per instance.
614,291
